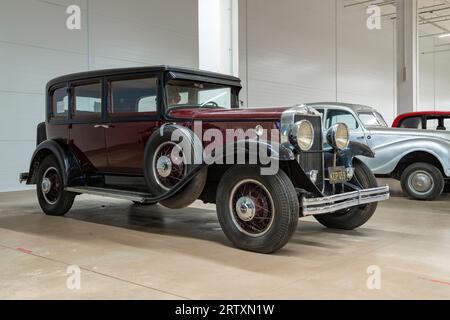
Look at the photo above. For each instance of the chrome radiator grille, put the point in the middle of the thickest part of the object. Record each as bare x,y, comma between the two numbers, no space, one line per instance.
313,159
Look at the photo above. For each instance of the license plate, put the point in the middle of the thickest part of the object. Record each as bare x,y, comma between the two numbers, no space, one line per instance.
337,175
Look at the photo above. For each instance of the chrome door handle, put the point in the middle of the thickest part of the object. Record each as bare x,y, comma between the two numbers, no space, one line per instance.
101,126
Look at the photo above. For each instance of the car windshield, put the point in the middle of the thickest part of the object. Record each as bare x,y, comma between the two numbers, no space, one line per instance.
194,94
372,119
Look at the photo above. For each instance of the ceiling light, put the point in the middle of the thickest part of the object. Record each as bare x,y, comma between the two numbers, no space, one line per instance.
445,35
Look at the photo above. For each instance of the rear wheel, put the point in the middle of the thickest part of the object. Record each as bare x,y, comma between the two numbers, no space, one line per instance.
352,218
53,199
257,213
422,181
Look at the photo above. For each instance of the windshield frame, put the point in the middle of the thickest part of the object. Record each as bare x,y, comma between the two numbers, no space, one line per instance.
234,94
376,115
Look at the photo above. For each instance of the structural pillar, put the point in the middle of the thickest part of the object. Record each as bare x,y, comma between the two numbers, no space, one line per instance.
407,55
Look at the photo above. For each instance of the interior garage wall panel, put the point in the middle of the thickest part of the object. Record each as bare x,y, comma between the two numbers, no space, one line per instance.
36,46
365,61
442,83
426,74
41,23
434,68
20,126
15,154
307,51
26,69
290,51
151,32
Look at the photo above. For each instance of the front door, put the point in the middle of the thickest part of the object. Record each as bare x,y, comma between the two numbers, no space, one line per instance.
87,132
133,117
334,116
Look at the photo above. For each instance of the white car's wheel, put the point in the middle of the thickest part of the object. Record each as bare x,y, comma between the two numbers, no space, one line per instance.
422,181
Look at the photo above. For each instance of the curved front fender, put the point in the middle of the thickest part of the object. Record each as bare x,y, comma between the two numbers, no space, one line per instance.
251,150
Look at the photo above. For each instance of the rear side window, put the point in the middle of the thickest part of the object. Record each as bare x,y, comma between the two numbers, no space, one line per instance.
412,123
133,97
60,103
87,100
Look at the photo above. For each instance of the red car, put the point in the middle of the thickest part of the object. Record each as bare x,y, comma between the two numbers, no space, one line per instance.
172,135
428,120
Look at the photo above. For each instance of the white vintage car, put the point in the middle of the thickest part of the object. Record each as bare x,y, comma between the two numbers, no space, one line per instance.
420,159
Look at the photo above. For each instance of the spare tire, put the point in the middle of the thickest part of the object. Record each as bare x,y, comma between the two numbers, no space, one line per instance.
168,162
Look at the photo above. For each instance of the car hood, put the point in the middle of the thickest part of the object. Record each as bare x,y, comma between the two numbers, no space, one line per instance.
419,133
231,114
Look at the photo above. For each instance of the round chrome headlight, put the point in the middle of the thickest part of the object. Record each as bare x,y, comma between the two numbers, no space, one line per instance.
339,136
304,135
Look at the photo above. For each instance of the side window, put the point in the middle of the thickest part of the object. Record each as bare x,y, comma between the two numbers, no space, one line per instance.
60,103
447,123
134,96
340,116
432,124
412,123
88,101
441,124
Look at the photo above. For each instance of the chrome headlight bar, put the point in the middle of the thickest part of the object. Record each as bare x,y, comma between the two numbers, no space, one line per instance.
299,134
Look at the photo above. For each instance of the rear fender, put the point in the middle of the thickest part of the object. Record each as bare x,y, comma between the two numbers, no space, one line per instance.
71,170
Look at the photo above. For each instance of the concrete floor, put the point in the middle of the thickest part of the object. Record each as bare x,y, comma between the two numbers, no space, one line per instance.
130,252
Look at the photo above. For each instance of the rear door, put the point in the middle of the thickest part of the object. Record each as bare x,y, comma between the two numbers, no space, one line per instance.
132,118
87,130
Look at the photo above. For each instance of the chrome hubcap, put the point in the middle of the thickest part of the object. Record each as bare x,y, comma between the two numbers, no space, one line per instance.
251,208
169,166
50,185
421,181
46,185
164,166
245,209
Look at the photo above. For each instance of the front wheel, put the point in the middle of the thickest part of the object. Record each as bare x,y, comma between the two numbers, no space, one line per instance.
422,181
352,218
257,213
53,199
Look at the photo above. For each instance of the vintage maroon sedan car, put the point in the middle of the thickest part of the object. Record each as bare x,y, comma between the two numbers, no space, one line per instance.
427,120
150,134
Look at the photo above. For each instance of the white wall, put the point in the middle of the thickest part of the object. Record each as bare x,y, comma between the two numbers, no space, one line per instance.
218,36
434,68
35,46
295,51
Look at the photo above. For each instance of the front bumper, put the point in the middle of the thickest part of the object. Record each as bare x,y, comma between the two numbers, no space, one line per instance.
330,204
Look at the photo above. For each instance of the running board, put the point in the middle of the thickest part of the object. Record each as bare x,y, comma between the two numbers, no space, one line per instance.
112,193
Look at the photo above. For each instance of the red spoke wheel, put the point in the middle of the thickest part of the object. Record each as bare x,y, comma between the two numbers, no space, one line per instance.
257,213
169,165
53,198
252,208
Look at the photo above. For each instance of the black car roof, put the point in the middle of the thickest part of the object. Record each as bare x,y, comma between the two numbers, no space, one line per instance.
123,71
